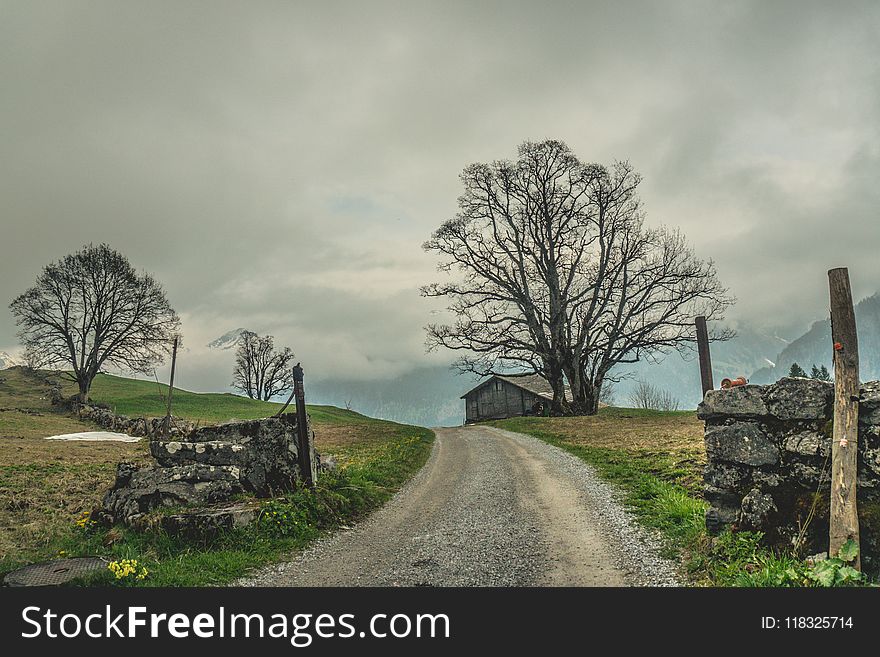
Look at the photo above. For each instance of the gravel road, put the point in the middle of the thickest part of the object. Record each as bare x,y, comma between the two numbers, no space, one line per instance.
490,508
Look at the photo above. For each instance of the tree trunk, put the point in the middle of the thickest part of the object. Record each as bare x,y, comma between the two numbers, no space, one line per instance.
559,406
587,398
84,387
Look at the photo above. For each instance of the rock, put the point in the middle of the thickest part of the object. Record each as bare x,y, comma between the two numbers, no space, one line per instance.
141,490
265,451
326,463
808,443
757,508
717,518
726,476
767,479
742,401
872,460
800,399
741,442
809,475
869,406
205,523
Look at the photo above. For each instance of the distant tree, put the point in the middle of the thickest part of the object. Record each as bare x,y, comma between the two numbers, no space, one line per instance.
797,371
92,309
820,373
648,396
559,275
260,371
609,393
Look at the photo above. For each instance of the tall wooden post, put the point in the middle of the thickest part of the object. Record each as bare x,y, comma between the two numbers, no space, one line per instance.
705,356
305,448
167,427
844,520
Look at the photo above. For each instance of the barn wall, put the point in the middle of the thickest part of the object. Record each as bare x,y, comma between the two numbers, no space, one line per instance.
498,399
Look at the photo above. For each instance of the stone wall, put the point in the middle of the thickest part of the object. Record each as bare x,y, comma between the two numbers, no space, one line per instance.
769,454
208,466
151,427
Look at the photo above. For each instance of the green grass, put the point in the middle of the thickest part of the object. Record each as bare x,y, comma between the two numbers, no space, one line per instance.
138,398
338,499
45,486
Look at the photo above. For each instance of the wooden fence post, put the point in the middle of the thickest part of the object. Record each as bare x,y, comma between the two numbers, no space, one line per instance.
167,427
705,357
304,431
844,519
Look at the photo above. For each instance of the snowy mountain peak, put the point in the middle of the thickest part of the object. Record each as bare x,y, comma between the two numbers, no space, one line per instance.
227,340
7,360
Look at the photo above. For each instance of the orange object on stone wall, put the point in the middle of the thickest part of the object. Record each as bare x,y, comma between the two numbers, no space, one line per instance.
726,384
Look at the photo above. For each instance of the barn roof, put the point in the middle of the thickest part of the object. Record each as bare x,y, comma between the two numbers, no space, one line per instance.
534,383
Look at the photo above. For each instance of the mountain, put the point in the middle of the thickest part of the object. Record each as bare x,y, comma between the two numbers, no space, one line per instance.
814,346
6,360
429,396
227,340
749,350
426,396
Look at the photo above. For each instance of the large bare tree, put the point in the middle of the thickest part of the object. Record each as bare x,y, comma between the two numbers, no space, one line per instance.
260,371
91,309
558,274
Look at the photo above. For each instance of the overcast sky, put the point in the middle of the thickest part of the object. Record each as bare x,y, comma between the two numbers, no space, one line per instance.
277,165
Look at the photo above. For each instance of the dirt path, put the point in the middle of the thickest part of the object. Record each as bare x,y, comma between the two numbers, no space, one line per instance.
490,508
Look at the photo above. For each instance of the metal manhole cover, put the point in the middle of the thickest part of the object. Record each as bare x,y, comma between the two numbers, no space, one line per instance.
54,573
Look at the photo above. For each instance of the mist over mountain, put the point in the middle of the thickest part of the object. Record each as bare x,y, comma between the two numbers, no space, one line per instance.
430,396
427,396
814,346
749,350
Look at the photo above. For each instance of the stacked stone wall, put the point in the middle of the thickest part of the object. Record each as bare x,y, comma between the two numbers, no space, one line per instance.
768,450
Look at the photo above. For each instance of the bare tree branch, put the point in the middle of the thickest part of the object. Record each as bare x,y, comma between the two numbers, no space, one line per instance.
558,274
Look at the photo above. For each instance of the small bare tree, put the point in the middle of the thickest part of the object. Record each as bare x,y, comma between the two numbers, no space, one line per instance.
92,309
609,393
260,371
648,396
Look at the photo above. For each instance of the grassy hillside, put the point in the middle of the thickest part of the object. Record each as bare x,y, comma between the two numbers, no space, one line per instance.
45,486
138,398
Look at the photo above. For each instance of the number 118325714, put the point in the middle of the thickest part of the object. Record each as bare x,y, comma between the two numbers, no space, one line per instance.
806,622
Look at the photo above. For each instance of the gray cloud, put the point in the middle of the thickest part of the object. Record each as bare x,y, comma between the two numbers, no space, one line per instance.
277,165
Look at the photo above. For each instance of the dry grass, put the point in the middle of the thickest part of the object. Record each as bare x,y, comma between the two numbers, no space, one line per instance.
665,443
45,485
630,430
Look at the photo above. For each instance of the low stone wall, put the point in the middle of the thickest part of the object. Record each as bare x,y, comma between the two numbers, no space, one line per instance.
206,467
769,454
151,427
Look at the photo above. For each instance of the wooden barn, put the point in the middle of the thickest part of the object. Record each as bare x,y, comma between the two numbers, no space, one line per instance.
507,396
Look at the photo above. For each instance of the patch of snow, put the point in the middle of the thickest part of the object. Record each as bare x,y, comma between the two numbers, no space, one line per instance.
227,340
7,360
770,362
96,436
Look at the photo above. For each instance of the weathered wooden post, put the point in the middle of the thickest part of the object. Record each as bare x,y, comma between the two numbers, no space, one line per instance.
167,427
705,356
304,433
844,520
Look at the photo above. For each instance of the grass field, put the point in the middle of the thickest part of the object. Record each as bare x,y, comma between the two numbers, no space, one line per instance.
45,486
